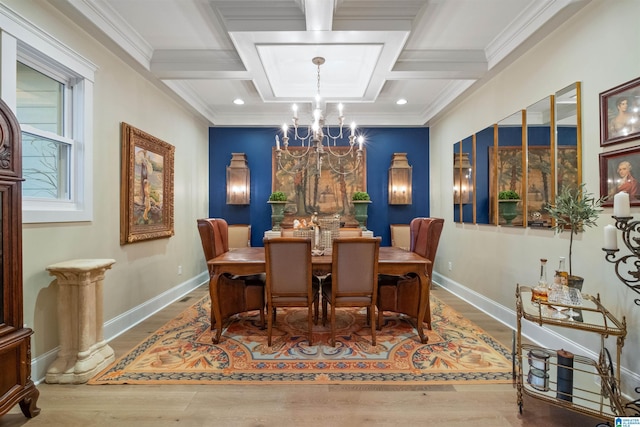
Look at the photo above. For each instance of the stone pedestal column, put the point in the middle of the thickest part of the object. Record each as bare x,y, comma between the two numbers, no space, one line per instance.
83,350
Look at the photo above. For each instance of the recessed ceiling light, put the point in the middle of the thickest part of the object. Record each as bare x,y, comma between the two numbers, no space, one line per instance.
401,101
238,101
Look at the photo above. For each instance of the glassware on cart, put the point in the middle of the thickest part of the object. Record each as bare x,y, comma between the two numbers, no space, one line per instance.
569,298
575,300
557,294
541,291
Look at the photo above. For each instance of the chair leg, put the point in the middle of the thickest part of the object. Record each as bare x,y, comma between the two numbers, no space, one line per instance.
270,320
333,325
380,319
427,315
373,324
262,318
310,321
324,311
316,308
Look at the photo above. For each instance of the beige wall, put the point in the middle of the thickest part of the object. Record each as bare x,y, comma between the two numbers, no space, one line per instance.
142,270
599,48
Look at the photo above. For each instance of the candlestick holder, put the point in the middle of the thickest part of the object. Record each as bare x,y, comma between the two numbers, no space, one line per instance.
627,267
628,271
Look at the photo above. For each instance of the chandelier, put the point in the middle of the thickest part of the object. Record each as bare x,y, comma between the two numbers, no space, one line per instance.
317,140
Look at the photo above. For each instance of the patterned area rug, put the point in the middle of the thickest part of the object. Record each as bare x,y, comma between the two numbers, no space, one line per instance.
181,352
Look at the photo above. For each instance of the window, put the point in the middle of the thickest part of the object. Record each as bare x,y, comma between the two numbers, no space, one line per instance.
46,151
50,88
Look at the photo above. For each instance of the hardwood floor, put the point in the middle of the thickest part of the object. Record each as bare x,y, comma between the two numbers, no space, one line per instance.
285,405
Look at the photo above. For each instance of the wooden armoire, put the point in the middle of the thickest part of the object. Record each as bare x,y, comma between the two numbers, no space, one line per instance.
16,385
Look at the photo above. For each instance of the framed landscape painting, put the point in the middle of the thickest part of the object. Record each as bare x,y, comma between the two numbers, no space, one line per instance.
146,187
327,191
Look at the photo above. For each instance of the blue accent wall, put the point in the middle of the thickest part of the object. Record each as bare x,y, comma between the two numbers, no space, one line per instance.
257,144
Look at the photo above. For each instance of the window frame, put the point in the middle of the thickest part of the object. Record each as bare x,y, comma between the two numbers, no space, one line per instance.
22,41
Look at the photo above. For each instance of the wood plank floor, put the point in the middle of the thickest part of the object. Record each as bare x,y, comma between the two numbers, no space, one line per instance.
289,405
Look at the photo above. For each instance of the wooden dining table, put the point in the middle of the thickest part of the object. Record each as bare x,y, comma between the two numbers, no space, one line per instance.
245,261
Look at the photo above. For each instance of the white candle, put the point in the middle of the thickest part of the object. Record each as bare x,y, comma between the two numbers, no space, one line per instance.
353,128
277,142
360,142
621,206
610,237
316,236
295,111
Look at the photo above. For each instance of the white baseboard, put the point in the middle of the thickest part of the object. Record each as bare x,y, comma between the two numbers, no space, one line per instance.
540,335
125,321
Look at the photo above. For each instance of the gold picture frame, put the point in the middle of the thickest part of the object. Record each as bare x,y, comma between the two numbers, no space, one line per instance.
328,193
146,186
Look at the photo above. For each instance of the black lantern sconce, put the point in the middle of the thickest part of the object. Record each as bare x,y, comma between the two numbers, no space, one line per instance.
238,180
400,175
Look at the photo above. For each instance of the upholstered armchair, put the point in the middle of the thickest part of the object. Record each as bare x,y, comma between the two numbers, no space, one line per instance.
236,294
401,294
290,281
353,281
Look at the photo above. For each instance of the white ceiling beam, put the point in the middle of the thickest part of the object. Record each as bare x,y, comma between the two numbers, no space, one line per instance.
439,64
318,15
198,64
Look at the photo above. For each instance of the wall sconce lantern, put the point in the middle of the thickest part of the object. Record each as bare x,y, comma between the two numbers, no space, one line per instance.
462,183
400,184
238,182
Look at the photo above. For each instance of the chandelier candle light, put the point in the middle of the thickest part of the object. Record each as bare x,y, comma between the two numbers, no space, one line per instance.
316,134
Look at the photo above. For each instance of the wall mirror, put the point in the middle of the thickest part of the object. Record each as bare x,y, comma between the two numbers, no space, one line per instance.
507,160
457,182
540,162
568,114
485,140
533,152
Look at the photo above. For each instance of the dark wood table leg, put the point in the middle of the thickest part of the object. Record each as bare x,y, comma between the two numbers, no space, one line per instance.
422,309
216,314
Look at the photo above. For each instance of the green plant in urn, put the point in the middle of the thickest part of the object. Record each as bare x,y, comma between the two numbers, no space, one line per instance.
361,202
508,205
278,201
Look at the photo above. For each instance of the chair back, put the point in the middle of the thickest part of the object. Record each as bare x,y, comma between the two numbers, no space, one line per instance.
288,267
350,232
425,236
400,236
239,236
354,274
214,235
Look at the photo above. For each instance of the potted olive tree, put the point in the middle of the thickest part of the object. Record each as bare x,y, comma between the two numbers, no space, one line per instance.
508,205
574,210
277,200
361,202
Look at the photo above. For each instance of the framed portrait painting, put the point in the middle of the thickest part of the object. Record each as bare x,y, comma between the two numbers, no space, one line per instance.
146,186
617,173
620,113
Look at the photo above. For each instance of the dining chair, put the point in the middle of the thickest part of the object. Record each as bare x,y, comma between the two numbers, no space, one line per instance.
236,294
290,280
350,232
400,236
239,236
401,294
353,281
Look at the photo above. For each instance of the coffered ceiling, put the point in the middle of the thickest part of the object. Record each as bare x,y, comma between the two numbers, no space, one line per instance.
211,52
